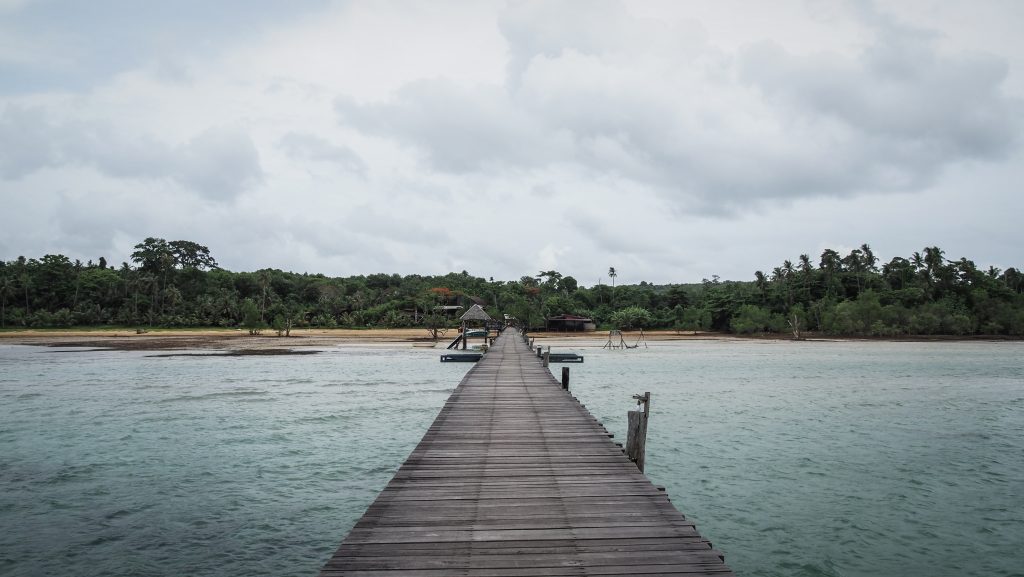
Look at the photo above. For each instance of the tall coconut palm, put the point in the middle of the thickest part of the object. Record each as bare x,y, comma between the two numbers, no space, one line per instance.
934,265
263,279
806,275
6,290
25,280
869,259
917,260
934,259
1013,279
761,282
896,272
831,264
612,274
788,273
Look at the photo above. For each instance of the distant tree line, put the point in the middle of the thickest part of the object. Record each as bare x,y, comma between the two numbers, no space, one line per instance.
178,284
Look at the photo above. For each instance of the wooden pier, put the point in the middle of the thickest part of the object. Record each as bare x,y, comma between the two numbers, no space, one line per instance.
516,478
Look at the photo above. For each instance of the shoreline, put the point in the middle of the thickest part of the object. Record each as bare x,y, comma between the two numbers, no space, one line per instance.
229,341
238,342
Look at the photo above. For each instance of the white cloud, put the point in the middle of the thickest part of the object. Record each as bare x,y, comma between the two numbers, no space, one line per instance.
311,147
218,163
670,140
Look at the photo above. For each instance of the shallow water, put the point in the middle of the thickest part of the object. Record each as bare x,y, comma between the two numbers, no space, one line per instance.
794,458
126,464
822,458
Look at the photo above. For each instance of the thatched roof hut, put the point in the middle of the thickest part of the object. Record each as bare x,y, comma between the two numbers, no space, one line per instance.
475,313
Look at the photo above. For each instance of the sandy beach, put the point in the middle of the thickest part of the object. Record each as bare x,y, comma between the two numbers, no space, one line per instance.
241,342
303,341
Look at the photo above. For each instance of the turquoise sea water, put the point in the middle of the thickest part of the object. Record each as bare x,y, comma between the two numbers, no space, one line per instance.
814,458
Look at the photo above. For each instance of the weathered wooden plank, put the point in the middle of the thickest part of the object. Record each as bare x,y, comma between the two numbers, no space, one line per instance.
527,547
499,561
683,571
516,478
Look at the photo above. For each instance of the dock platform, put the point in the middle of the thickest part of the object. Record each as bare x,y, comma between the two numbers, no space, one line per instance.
515,477
461,357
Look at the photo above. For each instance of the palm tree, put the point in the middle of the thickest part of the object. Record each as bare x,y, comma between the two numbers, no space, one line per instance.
896,271
831,264
934,258
806,274
779,278
788,272
263,279
612,274
6,290
870,260
934,264
552,277
148,282
1013,279
917,260
25,281
761,282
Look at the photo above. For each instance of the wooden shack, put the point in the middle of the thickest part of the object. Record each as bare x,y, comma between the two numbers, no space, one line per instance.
569,324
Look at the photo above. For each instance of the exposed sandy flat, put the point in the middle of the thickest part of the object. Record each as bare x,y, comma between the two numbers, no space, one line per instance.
238,341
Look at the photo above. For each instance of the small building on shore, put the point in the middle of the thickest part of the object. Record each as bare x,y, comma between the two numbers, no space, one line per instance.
447,310
569,324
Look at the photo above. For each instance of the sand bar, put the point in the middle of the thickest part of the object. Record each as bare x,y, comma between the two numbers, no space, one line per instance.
241,342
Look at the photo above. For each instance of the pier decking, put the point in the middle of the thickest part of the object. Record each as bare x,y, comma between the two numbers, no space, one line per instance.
516,478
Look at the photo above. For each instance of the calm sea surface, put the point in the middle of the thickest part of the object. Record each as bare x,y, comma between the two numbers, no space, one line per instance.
812,458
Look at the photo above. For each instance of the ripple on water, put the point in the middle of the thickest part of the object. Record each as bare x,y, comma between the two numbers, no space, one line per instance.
869,463
242,394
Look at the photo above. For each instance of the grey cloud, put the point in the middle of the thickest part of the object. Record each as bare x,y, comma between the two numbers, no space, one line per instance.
26,144
91,221
77,45
908,112
609,240
397,227
219,163
458,129
327,239
368,236
300,146
114,152
899,113
537,28
714,133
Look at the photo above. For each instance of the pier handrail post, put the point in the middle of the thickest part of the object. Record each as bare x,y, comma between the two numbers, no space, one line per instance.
547,357
636,437
565,378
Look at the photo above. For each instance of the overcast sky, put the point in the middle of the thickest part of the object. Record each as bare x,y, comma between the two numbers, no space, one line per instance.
673,140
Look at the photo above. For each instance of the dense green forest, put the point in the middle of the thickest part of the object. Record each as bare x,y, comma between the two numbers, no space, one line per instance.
178,284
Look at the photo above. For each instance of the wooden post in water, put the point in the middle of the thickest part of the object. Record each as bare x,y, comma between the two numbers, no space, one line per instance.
636,437
565,378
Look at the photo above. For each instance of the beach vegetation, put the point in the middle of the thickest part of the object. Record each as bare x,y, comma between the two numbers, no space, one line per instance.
631,317
179,284
251,317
